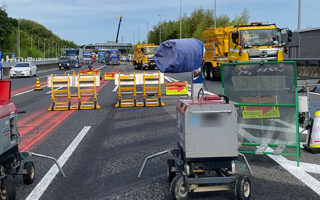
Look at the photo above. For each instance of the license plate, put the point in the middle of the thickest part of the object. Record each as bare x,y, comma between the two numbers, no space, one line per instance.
62,67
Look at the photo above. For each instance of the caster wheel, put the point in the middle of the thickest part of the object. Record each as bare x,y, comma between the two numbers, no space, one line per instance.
7,189
178,189
170,173
243,188
29,177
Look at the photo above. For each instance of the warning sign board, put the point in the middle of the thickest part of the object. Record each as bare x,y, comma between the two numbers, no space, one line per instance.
109,76
176,88
253,112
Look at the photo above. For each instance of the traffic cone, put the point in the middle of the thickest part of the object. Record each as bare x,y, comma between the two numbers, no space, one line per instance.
38,86
313,145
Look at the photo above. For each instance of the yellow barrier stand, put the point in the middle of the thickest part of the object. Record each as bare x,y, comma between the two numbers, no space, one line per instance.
56,82
127,86
87,81
152,87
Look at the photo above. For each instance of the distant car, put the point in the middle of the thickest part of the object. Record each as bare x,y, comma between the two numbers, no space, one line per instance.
64,63
28,69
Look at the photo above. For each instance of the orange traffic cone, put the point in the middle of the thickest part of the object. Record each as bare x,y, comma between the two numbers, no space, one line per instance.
38,86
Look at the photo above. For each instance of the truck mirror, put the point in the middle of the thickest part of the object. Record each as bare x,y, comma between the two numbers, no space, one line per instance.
289,33
234,36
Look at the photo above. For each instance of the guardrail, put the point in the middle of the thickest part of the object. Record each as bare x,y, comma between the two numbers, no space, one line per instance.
307,67
42,64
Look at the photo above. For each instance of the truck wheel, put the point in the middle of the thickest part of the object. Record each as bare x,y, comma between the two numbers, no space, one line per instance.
139,65
211,74
29,177
243,188
178,189
205,72
7,190
170,174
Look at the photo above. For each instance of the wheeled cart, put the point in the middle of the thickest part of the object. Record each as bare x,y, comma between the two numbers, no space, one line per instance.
207,149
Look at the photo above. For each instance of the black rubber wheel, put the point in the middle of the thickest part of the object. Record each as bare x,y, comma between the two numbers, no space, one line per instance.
119,103
69,105
205,72
134,102
178,189
170,174
211,74
79,105
243,188
139,65
29,177
144,103
7,189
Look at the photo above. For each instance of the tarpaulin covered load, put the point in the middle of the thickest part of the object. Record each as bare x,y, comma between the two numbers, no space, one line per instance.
179,55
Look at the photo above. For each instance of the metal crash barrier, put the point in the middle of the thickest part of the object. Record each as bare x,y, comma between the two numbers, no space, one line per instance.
265,95
63,99
128,89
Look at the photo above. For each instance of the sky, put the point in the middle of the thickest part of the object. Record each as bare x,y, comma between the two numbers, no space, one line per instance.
94,21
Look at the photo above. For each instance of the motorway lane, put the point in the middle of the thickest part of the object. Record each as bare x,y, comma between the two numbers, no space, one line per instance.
105,164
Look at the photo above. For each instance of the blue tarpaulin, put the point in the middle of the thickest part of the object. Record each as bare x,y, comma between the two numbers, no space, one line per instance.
179,55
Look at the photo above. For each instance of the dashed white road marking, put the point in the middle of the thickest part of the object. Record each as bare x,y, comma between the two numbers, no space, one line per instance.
28,91
54,89
315,93
115,88
101,67
44,183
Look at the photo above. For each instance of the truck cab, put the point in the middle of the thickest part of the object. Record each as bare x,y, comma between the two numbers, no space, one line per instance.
253,42
143,57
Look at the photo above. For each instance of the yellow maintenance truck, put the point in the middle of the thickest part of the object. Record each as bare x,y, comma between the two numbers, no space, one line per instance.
143,57
253,42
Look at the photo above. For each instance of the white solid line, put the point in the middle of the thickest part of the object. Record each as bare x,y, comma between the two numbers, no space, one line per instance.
50,175
54,89
308,167
167,78
115,88
28,91
315,93
296,171
101,67
24,92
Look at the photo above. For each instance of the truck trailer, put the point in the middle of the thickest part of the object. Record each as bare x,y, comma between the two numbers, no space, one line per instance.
253,42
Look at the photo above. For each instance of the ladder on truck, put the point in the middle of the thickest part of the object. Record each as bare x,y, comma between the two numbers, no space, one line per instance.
127,87
152,87
60,81
88,82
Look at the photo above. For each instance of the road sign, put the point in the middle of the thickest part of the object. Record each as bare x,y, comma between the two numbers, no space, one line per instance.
13,55
176,88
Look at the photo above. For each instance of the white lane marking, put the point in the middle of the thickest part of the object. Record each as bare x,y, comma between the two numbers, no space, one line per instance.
44,183
101,67
315,93
167,78
115,88
54,89
298,172
308,167
28,91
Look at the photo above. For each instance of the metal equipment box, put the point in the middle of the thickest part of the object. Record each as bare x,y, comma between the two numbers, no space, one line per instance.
207,128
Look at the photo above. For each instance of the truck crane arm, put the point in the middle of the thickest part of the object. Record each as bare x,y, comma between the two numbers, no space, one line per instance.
118,29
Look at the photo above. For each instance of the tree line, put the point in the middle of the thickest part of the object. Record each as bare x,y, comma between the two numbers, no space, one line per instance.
35,39
194,25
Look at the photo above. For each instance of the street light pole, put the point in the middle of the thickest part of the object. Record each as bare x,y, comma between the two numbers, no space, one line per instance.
180,22
18,42
31,44
214,14
160,31
299,15
138,34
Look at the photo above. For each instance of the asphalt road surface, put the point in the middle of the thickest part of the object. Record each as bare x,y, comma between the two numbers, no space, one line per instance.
102,150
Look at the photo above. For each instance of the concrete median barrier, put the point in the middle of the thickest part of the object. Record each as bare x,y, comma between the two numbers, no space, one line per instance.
41,67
